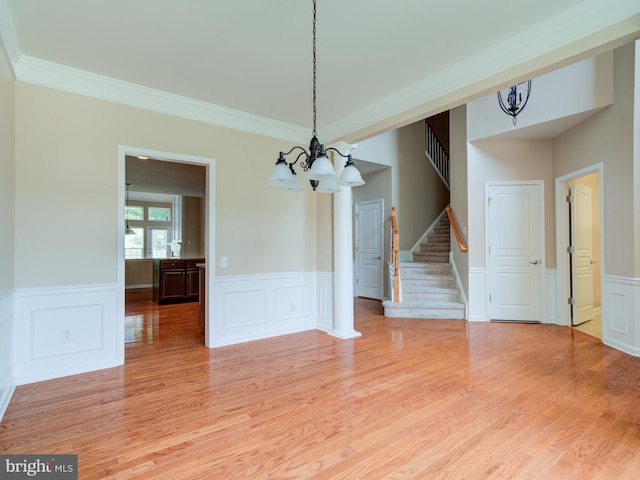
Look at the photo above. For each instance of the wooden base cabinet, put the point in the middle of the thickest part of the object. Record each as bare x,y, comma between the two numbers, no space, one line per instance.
176,280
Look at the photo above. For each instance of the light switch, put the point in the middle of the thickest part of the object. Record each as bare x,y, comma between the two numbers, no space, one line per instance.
223,262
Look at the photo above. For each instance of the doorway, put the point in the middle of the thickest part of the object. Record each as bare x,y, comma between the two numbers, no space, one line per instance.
208,228
579,220
515,250
369,244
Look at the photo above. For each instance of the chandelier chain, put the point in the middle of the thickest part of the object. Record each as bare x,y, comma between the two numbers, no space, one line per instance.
315,133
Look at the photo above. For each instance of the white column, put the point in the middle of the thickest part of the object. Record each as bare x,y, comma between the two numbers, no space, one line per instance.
343,326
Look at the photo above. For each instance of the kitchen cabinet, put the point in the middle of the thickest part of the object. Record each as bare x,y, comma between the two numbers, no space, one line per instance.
176,280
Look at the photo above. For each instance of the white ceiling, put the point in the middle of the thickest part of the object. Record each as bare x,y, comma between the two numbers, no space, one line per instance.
247,63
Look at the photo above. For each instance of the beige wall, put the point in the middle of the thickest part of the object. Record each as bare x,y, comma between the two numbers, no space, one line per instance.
608,137
459,189
422,195
66,152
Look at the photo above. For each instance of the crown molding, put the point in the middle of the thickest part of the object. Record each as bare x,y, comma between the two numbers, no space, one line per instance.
8,33
72,80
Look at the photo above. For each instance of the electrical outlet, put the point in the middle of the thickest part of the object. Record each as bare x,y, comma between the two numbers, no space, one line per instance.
67,335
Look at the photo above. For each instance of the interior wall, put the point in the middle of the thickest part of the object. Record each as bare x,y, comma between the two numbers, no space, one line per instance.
193,222
54,130
608,137
459,190
422,195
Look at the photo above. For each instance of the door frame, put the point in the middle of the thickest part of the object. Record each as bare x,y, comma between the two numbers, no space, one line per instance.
562,241
356,270
210,226
487,237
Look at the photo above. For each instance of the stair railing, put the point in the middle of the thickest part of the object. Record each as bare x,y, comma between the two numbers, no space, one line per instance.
395,249
456,232
437,153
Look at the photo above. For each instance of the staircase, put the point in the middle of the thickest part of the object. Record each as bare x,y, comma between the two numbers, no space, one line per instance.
428,285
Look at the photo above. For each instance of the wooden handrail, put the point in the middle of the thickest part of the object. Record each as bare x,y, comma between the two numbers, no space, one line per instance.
461,244
395,249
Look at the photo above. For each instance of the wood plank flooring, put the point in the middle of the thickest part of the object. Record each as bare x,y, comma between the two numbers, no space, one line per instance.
410,399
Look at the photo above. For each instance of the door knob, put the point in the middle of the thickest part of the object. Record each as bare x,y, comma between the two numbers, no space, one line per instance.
378,258
535,262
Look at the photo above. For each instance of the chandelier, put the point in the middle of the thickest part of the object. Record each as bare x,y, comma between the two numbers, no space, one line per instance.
314,160
515,100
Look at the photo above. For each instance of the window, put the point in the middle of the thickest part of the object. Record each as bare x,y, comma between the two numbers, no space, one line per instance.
158,239
159,214
134,244
133,212
153,227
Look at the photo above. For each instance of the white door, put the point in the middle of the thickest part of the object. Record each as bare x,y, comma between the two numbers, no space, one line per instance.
581,253
369,244
515,251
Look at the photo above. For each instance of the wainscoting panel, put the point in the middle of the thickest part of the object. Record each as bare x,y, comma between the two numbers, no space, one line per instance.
551,297
7,382
620,310
251,307
325,320
61,332
477,295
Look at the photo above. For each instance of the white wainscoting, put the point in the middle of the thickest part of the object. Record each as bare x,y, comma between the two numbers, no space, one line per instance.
7,381
478,295
251,307
551,297
325,320
64,331
620,313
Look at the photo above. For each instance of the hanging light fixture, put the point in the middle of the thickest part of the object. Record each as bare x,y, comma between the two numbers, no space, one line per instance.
128,230
515,100
314,160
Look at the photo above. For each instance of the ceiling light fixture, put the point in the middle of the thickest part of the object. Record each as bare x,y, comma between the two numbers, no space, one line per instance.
514,100
127,230
315,159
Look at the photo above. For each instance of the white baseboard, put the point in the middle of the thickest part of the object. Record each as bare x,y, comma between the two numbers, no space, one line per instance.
477,295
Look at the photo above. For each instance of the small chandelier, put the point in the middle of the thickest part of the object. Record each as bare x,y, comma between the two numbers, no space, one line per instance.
515,100
314,160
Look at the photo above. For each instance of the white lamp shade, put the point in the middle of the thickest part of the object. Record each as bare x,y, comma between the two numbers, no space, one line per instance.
328,185
322,169
350,177
281,175
293,186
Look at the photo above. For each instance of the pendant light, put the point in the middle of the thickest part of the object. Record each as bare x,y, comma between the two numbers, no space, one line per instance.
128,230
314,160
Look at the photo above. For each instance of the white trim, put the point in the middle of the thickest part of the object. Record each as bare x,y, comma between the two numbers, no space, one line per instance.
7,380
210,229
9,35
253,307
43,315
562,239
477,295
52,75
552,297
487,233
621,307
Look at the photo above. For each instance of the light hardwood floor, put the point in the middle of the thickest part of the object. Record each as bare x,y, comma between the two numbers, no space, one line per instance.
410,399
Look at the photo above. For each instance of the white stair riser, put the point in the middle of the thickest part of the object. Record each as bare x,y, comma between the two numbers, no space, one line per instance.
430,297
